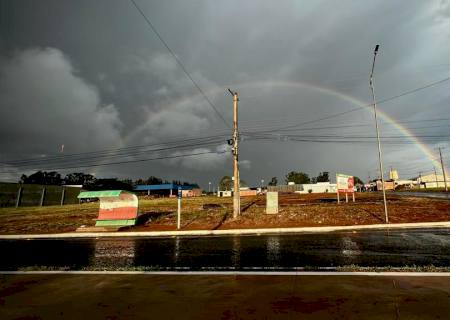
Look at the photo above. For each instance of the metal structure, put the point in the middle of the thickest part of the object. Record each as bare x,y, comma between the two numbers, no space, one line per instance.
380,158
117,207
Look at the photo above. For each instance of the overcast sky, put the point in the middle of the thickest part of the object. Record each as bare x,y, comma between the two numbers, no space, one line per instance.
93,76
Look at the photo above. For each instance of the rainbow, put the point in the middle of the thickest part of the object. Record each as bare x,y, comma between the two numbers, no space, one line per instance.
382,114
321,89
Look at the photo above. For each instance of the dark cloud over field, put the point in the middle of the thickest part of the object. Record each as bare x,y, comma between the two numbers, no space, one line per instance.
93,76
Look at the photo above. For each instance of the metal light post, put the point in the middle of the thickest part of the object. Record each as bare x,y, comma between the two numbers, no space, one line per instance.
380,159
209,187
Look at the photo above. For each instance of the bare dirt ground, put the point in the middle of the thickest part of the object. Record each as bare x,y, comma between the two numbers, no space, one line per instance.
216,213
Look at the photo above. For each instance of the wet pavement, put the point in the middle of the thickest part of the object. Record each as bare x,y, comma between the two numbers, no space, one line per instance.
147,296
375,248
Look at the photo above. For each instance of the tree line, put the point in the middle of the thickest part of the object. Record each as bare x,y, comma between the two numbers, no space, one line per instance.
299,177
90,182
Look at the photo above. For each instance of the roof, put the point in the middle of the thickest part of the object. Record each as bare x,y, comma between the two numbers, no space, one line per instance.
98,194
166,186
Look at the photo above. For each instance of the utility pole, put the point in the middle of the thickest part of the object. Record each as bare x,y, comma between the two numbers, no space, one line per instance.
443,169
435,177
237,187
380,159
420,179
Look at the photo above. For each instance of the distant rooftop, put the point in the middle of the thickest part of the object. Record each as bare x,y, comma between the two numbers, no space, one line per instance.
165,186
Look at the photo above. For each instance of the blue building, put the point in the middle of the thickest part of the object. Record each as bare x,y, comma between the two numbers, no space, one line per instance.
166,189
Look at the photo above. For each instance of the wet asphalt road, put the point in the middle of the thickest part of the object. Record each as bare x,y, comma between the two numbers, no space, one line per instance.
420,247
149,296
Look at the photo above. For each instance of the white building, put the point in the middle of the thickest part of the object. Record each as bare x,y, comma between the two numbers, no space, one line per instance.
431,180
319,187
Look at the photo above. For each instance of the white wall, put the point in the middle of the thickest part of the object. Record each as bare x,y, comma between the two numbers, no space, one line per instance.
321,187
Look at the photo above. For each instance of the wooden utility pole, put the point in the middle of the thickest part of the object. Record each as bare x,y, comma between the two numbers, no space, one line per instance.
237,187
435,177
19,196
443,169
63,195
420,180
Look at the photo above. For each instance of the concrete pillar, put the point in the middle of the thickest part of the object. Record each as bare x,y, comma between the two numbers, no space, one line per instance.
272,202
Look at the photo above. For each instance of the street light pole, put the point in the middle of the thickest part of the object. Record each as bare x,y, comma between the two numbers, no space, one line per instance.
380,158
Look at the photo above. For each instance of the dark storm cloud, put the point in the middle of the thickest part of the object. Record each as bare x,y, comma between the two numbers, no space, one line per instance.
113,75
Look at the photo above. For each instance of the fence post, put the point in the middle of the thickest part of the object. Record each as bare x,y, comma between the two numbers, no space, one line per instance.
63,195
42,197
19,197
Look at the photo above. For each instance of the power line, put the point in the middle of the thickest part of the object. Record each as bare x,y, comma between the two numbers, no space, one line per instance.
137,160
100,158
325,140
316,138
108,152
362,107
414,90
350,127
150,24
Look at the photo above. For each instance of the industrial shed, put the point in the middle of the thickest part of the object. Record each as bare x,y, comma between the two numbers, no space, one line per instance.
166,190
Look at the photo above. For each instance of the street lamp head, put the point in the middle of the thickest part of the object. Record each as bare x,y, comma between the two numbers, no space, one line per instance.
376,49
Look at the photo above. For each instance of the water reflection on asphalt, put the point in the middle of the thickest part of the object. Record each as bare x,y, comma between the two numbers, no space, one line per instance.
265,252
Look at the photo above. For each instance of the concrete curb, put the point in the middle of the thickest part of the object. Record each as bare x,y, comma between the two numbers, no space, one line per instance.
226,232
233,273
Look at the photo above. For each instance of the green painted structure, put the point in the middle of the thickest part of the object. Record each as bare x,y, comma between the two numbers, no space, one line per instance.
117,207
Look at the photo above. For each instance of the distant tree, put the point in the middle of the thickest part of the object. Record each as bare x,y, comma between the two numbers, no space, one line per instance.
177,182
273,181
154,180
297,177
140,181
323,177
357,181
43,177
226,183
127,181
79,178
110,184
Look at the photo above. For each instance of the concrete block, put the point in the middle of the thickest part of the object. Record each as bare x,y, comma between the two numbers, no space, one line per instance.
272,202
